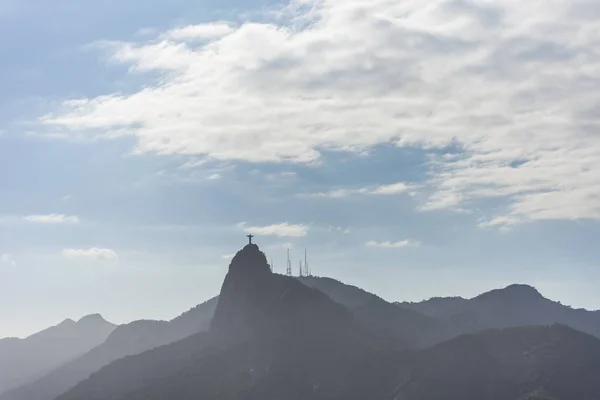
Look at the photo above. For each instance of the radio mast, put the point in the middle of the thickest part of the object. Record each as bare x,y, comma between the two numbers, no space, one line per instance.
306,267
288,271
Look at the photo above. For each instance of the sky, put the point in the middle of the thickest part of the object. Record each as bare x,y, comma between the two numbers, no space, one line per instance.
416,148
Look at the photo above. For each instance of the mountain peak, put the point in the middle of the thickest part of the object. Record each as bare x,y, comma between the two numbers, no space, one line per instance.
518,287
248,278
66,322
516,292
522,290
249,261
93,318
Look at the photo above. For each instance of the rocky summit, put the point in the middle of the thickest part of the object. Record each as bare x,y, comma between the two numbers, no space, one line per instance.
244,292
255,303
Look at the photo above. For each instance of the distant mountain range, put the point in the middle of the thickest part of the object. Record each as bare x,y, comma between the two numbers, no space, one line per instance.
23,360
273,337
515,305
125,340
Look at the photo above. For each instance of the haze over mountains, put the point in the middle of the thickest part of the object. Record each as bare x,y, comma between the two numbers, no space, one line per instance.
23,360
515,305
271,336
125,340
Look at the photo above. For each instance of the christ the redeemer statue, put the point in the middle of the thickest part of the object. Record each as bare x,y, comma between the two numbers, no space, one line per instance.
250,238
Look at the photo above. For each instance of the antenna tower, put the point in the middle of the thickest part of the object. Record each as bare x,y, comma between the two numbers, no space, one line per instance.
306,267
288,271
300,268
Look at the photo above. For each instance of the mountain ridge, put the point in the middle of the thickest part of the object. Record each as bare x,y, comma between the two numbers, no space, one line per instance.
269,323
24,360
126,340
404,327
273,337
513,305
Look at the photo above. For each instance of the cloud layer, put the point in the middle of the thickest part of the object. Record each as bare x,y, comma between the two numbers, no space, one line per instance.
400,244
199,32
383,190
92,254
52,219
513,88
280,230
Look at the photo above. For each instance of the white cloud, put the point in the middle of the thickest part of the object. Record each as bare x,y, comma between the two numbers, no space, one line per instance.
384,190
402,243
505,221
339,229
214,177
93,254
194,164
280,230
8,259
199,32
333,194
52,219
394,188
515,88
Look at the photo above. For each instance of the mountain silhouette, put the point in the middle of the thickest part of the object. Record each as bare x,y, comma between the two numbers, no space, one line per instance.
277,337
515,305
270,334
273,337
348,295
139,336
23,360
554,362
125,340
408,328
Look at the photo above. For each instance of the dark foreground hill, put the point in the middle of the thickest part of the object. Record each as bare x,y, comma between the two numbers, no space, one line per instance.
515,305
274,338
125,340
523,363
23,360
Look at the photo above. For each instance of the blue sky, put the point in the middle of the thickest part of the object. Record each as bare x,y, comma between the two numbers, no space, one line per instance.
416,148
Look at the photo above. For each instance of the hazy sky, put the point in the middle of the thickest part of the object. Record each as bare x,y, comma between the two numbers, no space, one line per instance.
415,147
